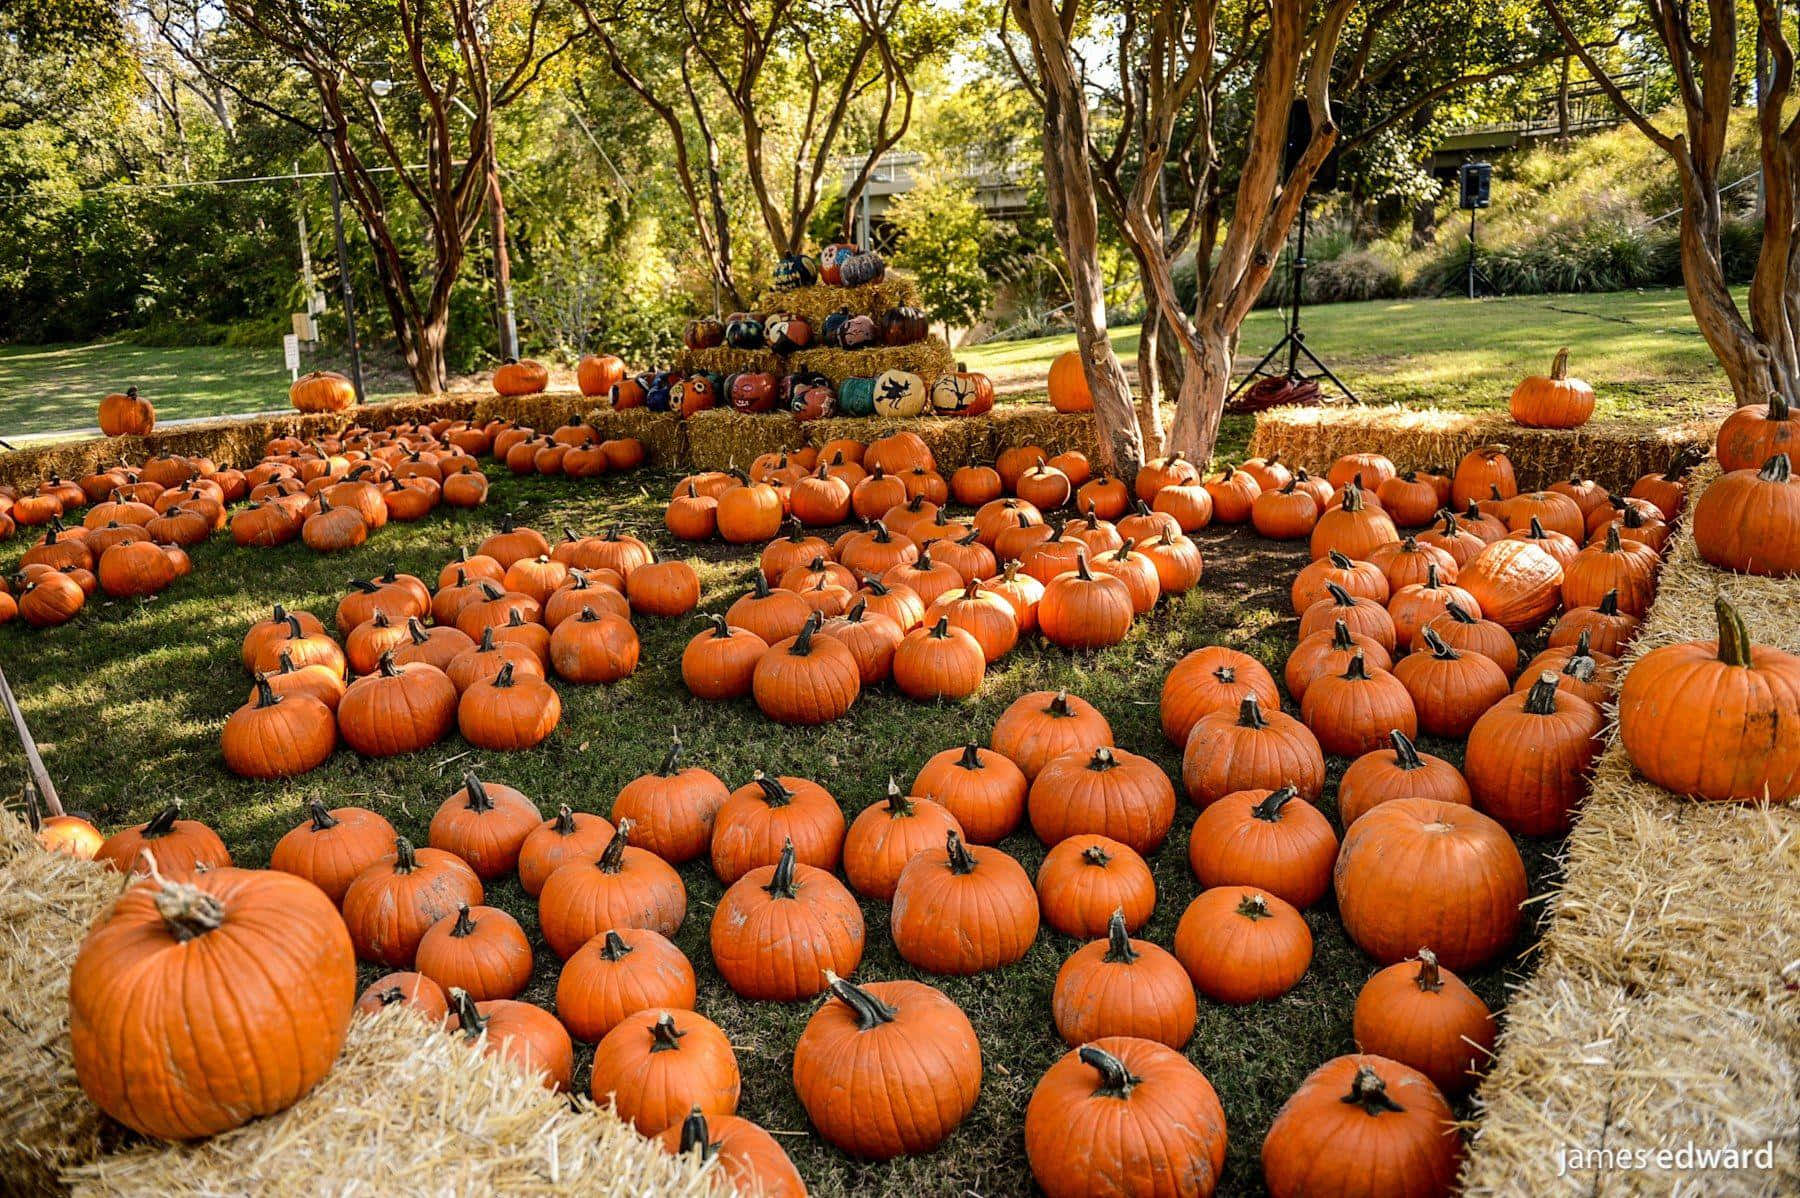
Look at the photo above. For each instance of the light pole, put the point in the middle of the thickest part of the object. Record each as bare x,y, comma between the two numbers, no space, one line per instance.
343,258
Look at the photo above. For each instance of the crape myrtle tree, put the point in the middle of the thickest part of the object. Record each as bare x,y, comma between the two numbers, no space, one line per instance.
1702,46
424,143
773,86
1178,132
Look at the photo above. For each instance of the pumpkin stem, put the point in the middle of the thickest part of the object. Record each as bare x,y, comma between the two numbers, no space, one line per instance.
405,856
961,860
1339,561
870,1011
163,822
941,630
487,640
387,667
1458,613
802,646
1059,706
1428,977
781,882
971,757
1116,1081
1734,637
664,1035
1103,759
1559,366
899,804
1270,807
390,995
565,820
473,1022
1358,669
265,694
1250,713
1439,649
322,820
1118,941
1369,1092
696,1138
1353,495
464,926
612,860
1584,643
1609,603
1612,538
1541,700
774,792
759,584
295,632
479,799
367,586
1254,907
1096,855
416,631
187,911
505,677
1340,596
614,947
671,762
1341,640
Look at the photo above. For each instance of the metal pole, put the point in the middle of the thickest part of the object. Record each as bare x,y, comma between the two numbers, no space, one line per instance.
1294,334
34,764
337,229
1471,253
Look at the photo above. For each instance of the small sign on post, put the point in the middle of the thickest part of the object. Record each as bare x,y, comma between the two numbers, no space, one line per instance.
304,327
290,351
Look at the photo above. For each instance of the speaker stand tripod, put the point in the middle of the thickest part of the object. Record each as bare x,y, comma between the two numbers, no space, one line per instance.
1479,284
1293,341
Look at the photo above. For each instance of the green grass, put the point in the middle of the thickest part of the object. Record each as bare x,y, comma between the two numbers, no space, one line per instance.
1641,350
127,702
51,388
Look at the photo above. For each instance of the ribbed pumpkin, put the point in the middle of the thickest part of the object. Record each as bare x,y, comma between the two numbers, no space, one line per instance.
625,887
330,848
1353,712
748,1157
212,1059
1397,773
1271,839
1086,879
1084,610
1249,750
1363,616
1580,670
569,836
1211,679
1125,1116
1516,584
1041,725
758,819
1106,791
1480,471
1408,847
981,789
659,1064
1555,400
1528,757
620,973
397,709
408,989
1627,569
1118,986
938,662
1466,632
182,847
720,661
886,835
1715,719
485,824
1417,604
391,904
527,1037
510,711
1607,629
1354,529
278,735
870,1054
781,928
481,950
1450,690
1328,653
963,909
1243,945
806,679
673,808
1407,561
1363,1125
1424,1016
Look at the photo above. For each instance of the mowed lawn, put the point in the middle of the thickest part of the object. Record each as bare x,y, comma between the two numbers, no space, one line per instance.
1641,350
128,700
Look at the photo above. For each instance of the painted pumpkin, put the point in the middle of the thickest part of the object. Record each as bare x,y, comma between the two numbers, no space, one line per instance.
899,393
831,261
752,391
812,400
858,332
707,332
903,325
962,393
787,332
860,270
796,270
856,397
696,393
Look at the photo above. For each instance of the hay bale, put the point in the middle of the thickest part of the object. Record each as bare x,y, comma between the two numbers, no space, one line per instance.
723,360
1667,996
821,299
723,438
1615,451
1045,427
927,359
411,1110
953,441
664,434
47,902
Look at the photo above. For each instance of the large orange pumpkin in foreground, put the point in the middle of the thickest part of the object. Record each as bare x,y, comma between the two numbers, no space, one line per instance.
196,1006
1362,1125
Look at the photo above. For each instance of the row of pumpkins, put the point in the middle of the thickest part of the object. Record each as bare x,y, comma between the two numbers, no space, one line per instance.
788,929
788,332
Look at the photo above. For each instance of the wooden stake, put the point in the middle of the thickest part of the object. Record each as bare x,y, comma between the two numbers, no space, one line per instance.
39,775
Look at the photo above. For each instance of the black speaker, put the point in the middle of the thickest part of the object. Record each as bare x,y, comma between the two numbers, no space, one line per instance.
1299,136
1473,180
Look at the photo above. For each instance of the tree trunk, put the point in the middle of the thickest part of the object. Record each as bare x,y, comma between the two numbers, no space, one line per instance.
1201,402
1562,101
1152,379
1745,359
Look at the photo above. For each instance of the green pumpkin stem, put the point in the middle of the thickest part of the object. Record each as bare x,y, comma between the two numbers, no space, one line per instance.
1118,941
612,859
1116,1081
870,1011
1369,1092
1541,699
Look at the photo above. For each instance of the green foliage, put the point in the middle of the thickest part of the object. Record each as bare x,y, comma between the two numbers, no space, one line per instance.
943,232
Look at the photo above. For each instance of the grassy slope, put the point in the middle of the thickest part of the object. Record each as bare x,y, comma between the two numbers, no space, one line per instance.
1640,349
128,700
